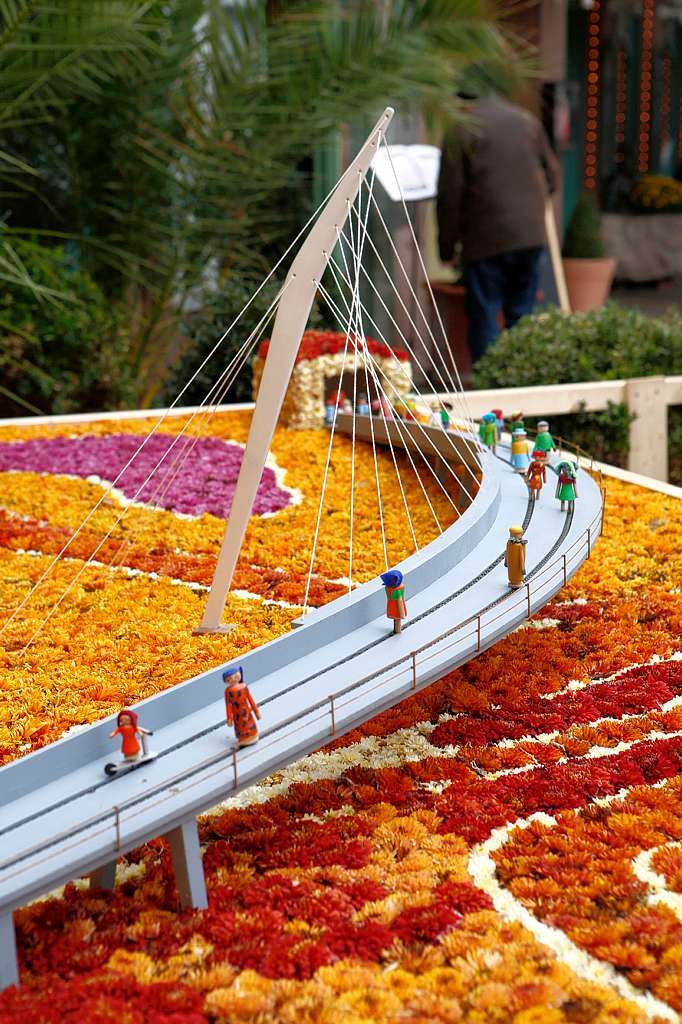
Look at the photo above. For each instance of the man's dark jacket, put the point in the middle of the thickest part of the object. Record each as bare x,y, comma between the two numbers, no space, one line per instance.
495,175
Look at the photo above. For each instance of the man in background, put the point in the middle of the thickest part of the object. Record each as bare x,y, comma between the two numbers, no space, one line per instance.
495,175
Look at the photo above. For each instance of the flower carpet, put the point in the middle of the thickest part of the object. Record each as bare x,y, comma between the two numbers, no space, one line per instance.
504,846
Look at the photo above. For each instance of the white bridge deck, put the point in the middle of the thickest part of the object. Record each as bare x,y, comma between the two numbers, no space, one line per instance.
63,818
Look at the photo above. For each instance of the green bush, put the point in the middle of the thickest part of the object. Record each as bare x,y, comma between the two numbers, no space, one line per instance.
63,348
203,329
583,239
605,344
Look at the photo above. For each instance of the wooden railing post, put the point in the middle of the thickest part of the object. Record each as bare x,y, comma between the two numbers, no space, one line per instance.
117,826
646,399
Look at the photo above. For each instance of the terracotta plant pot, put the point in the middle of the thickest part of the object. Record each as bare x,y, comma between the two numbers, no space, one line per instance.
589,282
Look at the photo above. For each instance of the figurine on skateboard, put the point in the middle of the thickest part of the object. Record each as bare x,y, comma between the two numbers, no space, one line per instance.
241,709
567,484
134,750
396,608
515,557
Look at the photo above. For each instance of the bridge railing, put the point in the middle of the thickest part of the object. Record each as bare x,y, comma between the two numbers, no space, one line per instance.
328,708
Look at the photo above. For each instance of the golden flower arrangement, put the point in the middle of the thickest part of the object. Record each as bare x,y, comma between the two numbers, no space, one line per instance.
503,847
657,193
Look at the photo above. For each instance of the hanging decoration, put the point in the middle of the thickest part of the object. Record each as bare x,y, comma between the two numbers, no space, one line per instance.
645,85
592,105
621,103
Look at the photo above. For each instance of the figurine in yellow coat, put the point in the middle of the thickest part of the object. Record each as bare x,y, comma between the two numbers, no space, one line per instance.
515,557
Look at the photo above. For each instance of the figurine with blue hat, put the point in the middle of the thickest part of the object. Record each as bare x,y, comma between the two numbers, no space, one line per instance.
396,608
241,709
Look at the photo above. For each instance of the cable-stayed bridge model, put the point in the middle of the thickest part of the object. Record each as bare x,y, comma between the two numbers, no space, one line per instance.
62,817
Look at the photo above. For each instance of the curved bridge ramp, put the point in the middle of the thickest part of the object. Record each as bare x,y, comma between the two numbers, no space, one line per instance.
63,818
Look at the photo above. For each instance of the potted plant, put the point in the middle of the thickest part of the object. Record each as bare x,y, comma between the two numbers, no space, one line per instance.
588,270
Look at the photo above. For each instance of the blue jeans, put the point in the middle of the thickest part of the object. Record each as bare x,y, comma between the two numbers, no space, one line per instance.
508,282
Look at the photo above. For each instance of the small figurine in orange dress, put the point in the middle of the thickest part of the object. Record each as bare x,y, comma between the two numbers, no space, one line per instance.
396,608
536,475
133,744
129,730
240,707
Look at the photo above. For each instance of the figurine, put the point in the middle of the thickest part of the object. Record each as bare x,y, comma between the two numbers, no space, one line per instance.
330,407
240,707
515,557
567,484
488,430
134,753
363,405
396,608
519,450
347,407
536,475
444,415
499,420
544,442
411,414
517,422
382,405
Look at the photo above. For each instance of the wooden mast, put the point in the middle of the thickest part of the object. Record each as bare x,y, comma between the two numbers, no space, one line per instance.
290,323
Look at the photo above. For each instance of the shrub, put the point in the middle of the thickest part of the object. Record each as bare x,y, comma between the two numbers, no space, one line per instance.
604,344
583,239
63,348
204,328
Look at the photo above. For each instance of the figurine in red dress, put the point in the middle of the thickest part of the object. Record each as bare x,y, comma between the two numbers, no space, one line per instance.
536,474
396,608
240,707
128,729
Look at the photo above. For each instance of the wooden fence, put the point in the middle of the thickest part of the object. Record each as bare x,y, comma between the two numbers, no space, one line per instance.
647,397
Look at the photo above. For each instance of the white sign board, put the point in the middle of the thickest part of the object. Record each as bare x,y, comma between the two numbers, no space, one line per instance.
415,168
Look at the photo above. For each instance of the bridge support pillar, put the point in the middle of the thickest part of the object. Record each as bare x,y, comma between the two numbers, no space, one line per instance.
188,866
9,969
104,877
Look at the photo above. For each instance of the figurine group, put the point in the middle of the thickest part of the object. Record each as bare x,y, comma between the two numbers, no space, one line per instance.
403,408
533,465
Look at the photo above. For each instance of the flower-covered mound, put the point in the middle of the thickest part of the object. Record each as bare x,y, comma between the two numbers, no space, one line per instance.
503,847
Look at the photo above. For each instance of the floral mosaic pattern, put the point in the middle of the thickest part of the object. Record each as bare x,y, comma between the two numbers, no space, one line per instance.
206,483
503,847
